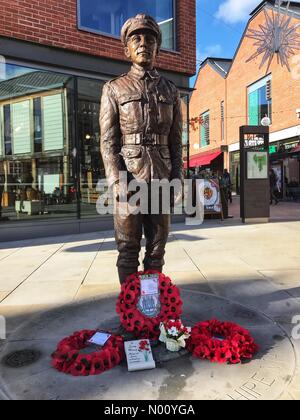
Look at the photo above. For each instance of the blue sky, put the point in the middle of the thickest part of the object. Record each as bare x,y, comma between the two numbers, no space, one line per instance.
220,26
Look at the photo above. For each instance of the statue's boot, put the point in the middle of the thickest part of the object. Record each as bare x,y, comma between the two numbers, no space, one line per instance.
125,272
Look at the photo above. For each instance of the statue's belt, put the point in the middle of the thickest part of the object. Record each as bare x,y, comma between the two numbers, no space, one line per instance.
145,139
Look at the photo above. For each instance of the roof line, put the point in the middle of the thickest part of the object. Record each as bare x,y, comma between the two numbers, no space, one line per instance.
270,4
265,3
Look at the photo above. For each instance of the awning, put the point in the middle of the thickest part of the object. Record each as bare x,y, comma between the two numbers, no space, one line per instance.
203,159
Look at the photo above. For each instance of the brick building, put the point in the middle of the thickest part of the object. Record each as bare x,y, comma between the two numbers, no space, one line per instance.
55,57
232,93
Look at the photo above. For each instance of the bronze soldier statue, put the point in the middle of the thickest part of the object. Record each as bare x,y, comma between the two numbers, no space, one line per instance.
141,133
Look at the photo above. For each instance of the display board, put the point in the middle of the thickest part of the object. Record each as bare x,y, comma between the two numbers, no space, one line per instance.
255,184
212,197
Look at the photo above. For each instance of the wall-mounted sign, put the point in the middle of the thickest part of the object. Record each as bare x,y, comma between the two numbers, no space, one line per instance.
273,149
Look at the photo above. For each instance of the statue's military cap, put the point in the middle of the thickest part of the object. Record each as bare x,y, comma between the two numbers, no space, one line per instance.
139,22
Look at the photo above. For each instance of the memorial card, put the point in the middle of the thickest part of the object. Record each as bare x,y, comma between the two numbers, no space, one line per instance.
139,355
99,339
149,302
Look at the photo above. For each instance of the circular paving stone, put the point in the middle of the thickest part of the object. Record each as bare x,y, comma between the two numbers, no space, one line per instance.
266,377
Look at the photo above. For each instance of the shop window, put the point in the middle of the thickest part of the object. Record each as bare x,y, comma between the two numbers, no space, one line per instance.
205,130
260,101
108,17
38,126
53,122
7,130
21,133
37,137
91,163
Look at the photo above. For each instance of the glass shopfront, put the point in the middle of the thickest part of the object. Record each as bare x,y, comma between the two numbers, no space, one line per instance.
108,17
235,171
50,161
43,147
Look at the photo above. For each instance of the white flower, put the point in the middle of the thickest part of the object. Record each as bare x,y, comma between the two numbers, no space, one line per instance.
173,331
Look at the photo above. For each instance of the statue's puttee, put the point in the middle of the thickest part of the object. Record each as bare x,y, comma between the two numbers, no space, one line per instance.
141,133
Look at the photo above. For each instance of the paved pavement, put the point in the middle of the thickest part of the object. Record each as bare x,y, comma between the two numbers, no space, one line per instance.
220,267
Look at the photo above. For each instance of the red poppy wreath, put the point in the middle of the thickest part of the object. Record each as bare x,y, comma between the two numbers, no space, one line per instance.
67,357
221,342
133,320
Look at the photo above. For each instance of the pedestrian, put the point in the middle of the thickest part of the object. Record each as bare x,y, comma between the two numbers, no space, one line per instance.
273,187
226,181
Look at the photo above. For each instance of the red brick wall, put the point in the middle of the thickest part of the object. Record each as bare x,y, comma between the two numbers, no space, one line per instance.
285,88
211,88
54,23
208,96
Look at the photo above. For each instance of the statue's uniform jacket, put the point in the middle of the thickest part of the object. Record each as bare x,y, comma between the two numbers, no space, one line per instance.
141,133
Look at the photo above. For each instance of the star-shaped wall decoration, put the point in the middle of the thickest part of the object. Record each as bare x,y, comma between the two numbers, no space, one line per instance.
277,37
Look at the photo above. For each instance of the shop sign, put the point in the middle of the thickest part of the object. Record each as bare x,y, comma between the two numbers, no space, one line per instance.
291,146
252,141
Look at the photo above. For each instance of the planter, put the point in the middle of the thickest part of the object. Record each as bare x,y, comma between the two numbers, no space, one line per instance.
172,345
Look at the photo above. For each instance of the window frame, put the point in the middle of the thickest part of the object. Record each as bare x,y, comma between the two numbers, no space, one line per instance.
108,35
254,87
222,121
207,141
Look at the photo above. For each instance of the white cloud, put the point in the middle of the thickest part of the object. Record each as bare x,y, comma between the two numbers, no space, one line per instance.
235,11
209,51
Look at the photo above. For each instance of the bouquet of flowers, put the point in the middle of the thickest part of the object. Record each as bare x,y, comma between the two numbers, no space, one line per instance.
144,348
174,334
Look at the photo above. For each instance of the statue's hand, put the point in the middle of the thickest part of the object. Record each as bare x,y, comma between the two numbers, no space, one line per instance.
120,191
116,191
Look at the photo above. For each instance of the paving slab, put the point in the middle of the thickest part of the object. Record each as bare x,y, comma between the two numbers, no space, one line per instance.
247,274
266,377
3,295
51,293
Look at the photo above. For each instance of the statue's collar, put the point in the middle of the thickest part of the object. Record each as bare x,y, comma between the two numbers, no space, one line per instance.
139,73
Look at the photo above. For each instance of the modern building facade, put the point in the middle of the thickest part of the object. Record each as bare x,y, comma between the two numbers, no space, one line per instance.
55,57
233,93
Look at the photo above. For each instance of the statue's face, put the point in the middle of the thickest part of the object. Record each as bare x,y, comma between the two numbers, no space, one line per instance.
142,48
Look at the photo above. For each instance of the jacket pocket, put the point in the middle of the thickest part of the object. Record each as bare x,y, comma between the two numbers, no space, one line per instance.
165,154
165,111
131,109
133,158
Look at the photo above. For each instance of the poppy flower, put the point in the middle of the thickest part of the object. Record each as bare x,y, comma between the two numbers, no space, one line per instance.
96,366
78,369
223,355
